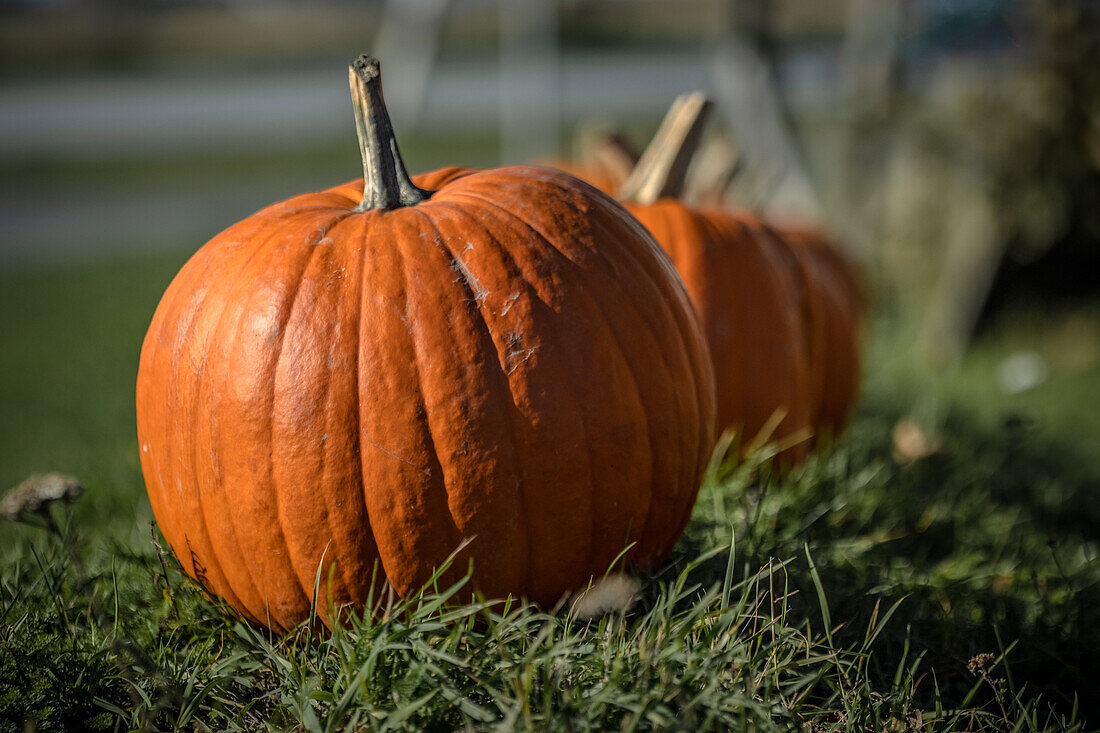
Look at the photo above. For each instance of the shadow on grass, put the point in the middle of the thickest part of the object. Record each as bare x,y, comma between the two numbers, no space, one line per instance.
991,541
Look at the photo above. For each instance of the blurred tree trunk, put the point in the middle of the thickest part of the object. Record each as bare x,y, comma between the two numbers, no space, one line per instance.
975,244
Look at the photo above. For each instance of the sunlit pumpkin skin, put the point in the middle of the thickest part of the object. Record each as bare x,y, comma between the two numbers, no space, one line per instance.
592,174
745,286
431,181
781,308
512,360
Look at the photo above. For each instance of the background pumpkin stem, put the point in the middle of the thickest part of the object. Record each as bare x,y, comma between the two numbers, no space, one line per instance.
662,169
607,150
386,183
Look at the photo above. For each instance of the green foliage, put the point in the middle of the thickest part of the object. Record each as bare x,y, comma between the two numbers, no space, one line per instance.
956,591
856,594
52,680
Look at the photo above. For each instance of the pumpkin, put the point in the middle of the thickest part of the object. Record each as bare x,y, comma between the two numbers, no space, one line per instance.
780,309
747,296
834,304
604,159
595,175
364,378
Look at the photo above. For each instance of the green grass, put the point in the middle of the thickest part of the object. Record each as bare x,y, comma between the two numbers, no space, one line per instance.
854,594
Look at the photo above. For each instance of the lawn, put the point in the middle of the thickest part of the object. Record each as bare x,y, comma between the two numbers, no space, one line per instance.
955,591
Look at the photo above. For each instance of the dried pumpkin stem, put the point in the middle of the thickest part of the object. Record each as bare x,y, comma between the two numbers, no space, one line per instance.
662,169
614,153
386,183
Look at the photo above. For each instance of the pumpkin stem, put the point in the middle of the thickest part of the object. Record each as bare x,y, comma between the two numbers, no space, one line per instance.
386,183
614,154
662,169
606,149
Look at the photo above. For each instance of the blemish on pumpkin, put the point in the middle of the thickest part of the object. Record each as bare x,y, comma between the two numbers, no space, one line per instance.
425,471
508,303
265,325
459,266
317,237
402,313
515,354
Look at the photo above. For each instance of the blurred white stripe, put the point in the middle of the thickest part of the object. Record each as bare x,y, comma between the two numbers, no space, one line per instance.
98,116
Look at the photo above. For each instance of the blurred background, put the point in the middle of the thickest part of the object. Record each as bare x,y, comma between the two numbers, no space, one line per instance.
951,146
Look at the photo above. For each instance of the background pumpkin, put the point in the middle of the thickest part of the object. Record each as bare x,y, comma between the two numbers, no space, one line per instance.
835,302
781,308
748,299
603,158
355,377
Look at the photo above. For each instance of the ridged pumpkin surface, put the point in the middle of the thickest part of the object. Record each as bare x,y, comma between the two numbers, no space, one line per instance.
746,287
781,308
834,304
513,360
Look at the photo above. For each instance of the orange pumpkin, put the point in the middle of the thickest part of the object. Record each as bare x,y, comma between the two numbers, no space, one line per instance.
747,293
780,309
834,306
604,159
593,174
375,373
